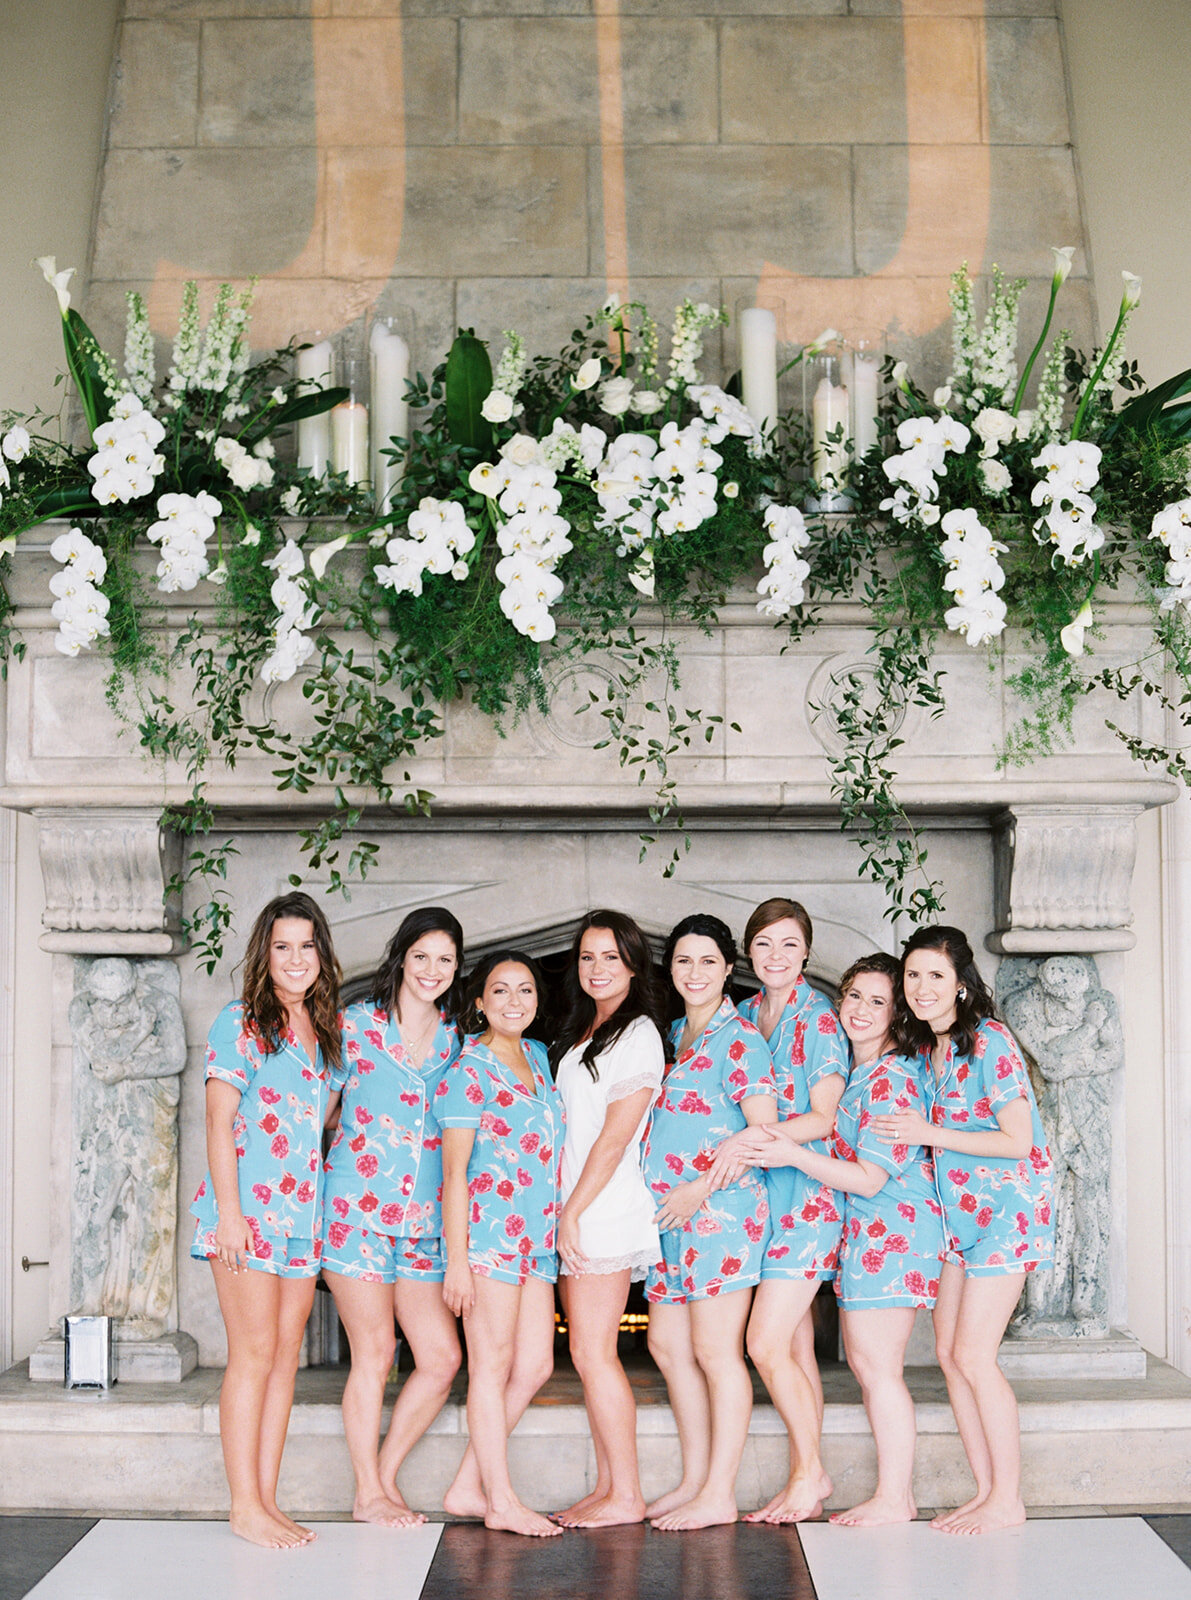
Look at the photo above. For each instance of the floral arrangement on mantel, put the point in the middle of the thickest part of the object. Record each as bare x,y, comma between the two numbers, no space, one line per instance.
598,487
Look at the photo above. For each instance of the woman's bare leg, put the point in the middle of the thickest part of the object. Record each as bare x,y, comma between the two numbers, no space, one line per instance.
671,1347
782,1304
875,1341
595,1304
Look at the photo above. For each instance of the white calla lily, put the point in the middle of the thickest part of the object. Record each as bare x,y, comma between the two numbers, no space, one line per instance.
57,281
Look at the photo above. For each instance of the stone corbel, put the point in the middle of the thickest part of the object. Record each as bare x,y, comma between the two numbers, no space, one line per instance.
1063,876
105,871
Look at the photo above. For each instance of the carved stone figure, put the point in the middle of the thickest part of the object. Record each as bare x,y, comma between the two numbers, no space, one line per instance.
129,1049
1069,1024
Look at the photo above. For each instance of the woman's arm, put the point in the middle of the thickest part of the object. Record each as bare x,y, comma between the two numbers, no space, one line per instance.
334,1106
458,1290
854,1177
233,1237
620,1124
744,1149
1011,1140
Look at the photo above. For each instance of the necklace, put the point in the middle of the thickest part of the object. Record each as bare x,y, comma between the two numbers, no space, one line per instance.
415,1045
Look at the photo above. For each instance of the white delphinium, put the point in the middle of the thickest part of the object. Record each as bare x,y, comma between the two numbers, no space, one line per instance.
994,372
583,446
184,362
686,341
964,337
126,462
1172,525
784,583
225,351
186,522
80,607
292,647
1070,472
973,577
510,370
140,365
1048,403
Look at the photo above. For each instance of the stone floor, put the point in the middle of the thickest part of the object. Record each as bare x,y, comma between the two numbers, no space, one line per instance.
1059,1555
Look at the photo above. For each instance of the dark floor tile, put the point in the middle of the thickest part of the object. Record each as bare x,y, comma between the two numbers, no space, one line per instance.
30,1546
734,1563
1176,1532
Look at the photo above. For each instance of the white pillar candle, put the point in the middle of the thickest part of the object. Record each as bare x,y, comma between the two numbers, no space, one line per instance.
390,413
830,416
865,376
758,364
316,370
349,440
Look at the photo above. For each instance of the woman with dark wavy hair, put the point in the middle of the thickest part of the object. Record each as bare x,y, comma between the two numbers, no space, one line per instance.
502,1122
713,1236
994,1175
382,1222
274,1070
609,1059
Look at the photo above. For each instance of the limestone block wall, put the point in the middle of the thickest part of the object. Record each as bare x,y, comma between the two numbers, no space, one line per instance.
504,163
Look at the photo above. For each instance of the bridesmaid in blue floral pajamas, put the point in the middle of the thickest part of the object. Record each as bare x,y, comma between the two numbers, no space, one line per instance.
810,1065
893,1230
503,1130
274,1070
994,1172
713,1235
382,1222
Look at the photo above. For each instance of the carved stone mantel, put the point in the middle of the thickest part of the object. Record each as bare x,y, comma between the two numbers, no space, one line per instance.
1063,878
105,872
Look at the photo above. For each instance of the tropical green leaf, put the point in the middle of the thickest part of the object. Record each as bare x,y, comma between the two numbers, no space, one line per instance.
1153,409
80,345
296,410
468,385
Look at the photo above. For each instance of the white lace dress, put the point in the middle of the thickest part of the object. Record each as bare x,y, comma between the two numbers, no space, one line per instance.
617,1229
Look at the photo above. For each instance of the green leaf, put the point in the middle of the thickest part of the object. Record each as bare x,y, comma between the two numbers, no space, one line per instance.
80,345
297,410
469,383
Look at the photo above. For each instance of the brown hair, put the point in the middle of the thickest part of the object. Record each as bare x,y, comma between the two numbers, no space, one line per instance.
472,1020
777,910
263,1012
386,985
877,962
644,999
972,1005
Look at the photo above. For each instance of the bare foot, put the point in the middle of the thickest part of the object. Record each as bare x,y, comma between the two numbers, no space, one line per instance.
800,1501
463,1501
305,1535
681,1496
388,1513
258,1527
704,1511
606,1513
875,1513
944,1517
988,1517
516,1518
582,1505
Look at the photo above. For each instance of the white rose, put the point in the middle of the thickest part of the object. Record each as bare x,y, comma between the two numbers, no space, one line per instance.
994,427
522,450
995,475
588,374
616,396
498,407
645,402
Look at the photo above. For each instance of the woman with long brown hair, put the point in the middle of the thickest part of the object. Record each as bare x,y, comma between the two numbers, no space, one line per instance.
993,1169
274,1070
609,1060
382,1223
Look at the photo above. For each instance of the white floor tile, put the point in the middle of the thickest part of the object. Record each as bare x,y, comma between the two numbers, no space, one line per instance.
199,1560
1109,1558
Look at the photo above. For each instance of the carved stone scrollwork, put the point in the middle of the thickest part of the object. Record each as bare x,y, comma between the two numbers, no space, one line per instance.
1063,878
105,872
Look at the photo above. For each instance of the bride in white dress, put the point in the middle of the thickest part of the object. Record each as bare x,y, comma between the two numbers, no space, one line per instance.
609,1061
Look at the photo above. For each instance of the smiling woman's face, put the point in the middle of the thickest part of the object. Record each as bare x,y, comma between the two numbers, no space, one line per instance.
931,987
510,999
698,970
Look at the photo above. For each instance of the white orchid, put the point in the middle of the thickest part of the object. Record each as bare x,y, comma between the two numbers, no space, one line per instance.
16,444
